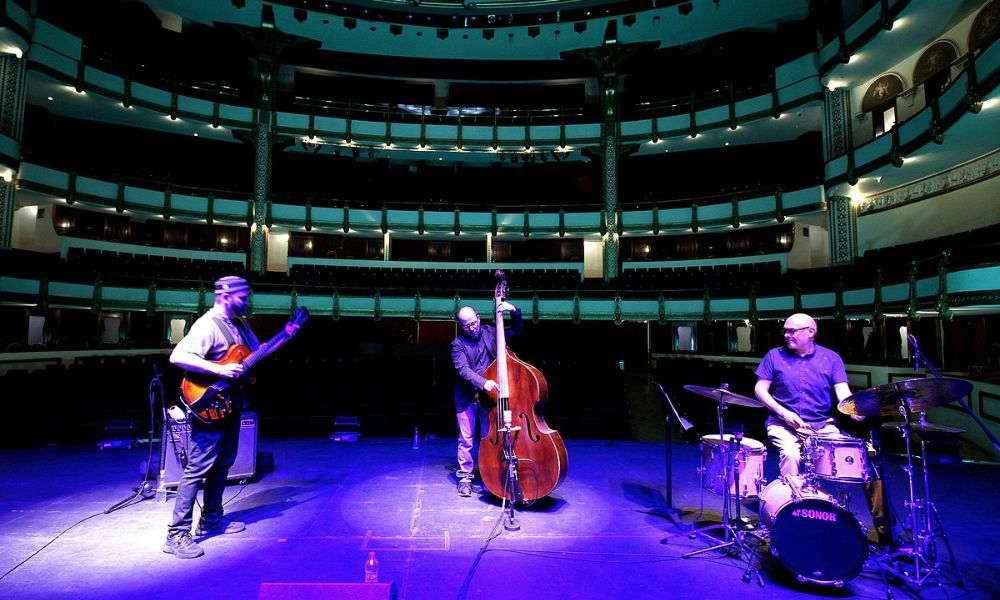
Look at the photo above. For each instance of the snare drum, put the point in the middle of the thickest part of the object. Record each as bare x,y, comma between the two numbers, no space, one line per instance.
838,458
748,462
811,534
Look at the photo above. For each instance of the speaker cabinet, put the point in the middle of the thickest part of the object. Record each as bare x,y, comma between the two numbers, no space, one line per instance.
327,591
178,435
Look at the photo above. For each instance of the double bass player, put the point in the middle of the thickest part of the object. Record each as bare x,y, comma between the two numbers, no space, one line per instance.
472,351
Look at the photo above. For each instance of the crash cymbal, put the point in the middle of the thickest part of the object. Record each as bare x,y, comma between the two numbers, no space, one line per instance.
919,427
718,394
915,394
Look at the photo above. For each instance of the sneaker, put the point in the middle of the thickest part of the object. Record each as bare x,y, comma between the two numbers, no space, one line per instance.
464,489
222,527
183,546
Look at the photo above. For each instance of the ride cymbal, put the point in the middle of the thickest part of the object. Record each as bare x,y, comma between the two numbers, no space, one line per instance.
720,395
915,394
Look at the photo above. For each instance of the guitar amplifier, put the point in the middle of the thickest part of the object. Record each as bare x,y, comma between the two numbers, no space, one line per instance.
179,434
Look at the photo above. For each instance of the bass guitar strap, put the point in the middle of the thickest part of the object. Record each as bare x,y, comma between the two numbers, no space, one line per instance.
226,331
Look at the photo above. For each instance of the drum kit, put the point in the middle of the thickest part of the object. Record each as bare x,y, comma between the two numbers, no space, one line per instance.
812,533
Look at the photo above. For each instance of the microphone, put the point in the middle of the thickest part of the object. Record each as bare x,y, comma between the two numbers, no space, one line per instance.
508,419
916,351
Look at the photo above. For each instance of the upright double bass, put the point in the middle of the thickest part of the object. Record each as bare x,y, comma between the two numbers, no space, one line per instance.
518,435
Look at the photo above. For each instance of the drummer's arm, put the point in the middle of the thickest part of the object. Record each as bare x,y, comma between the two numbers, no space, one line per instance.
843,391
763,392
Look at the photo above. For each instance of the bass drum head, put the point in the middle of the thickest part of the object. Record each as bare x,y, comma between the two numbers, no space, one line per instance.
819,541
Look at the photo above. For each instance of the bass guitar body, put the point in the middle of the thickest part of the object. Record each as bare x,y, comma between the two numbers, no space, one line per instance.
211,398
539,451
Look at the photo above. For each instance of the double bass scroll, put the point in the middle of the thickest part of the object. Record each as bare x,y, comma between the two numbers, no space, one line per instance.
541,459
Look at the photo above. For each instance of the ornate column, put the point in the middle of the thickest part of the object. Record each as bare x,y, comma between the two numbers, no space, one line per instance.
260,138
608,58
843,230
836,123
269,44
12,99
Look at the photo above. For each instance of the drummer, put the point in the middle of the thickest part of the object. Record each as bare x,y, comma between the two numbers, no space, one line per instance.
800,383
795,382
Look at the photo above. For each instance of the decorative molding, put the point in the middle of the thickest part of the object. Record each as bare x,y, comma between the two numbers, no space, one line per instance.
967,174
886,87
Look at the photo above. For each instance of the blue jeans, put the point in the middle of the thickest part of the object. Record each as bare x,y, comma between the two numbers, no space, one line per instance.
467,437
211,453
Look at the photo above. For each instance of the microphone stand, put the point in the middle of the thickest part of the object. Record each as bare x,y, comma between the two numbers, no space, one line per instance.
144,490
516,494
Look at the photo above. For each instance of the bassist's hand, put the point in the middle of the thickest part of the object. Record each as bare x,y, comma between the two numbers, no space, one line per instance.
291,329
230,370
506,306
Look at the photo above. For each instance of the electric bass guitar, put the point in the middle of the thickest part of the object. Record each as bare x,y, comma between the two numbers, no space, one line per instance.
210,398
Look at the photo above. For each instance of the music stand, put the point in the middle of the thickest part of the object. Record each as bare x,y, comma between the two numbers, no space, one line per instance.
668,450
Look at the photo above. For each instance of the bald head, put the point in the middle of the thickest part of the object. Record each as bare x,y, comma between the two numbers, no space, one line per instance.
800,320
799,331
468,321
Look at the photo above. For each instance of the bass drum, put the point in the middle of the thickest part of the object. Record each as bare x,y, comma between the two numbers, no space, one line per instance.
811,535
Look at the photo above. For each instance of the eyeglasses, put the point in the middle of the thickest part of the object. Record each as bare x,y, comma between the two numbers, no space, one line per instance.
470,325
787,331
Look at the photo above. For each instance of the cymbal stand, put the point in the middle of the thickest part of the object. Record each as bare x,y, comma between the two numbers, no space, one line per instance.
932,521
925,522
733,536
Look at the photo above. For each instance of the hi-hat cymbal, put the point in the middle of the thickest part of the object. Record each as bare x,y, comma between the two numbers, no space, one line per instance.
915,394
720,395
919,427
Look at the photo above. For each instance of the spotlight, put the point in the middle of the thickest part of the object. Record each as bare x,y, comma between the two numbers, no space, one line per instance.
350,22
580,27
685,8
534,31
299,14
628,20
395,29
442,33
488,34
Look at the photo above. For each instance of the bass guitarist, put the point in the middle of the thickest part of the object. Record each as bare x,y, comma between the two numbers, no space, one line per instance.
214,443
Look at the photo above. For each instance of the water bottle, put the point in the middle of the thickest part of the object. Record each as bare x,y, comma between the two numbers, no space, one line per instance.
371,569
416,438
